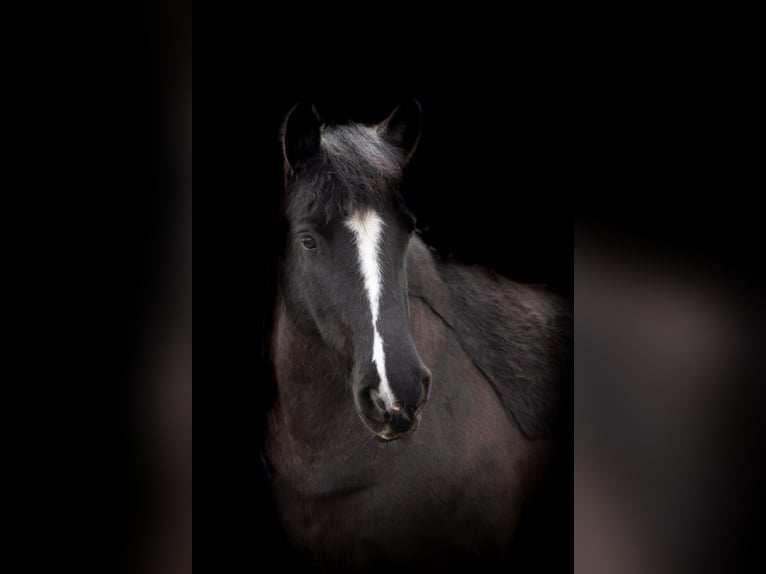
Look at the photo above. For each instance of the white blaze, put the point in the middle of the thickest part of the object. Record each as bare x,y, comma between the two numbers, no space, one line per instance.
367,227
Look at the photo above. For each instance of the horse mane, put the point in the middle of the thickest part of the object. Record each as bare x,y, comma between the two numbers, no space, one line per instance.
519,337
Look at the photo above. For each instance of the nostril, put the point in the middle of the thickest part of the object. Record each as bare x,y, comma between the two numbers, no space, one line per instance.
377,400
403,421
372,405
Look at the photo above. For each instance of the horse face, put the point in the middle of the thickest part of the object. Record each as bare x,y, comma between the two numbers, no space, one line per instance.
347,241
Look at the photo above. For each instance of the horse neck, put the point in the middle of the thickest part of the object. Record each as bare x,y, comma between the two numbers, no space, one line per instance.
314,403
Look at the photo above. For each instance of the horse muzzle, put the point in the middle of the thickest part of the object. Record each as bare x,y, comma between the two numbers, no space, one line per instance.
390,422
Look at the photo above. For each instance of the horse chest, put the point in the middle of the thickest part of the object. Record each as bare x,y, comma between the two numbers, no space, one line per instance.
410,501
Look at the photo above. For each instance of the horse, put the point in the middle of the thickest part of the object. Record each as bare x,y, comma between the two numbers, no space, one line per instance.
417,400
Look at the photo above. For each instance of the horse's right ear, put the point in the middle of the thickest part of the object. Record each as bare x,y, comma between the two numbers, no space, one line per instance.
300,136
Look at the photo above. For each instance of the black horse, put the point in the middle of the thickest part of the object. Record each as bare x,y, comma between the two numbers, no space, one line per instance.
417,401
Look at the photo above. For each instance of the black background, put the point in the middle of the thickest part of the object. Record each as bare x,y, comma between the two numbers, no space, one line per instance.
653,145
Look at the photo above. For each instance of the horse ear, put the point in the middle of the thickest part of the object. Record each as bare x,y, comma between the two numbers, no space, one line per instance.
300,136
402,127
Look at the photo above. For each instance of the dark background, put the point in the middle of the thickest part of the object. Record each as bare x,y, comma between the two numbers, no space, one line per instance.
652,132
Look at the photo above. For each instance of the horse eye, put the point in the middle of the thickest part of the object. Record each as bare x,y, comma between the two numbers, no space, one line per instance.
308,243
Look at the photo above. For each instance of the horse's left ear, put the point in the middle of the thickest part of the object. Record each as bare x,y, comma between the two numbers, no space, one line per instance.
402,127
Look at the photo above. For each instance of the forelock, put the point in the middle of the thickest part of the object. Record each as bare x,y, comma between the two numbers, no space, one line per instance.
361,146
356,168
